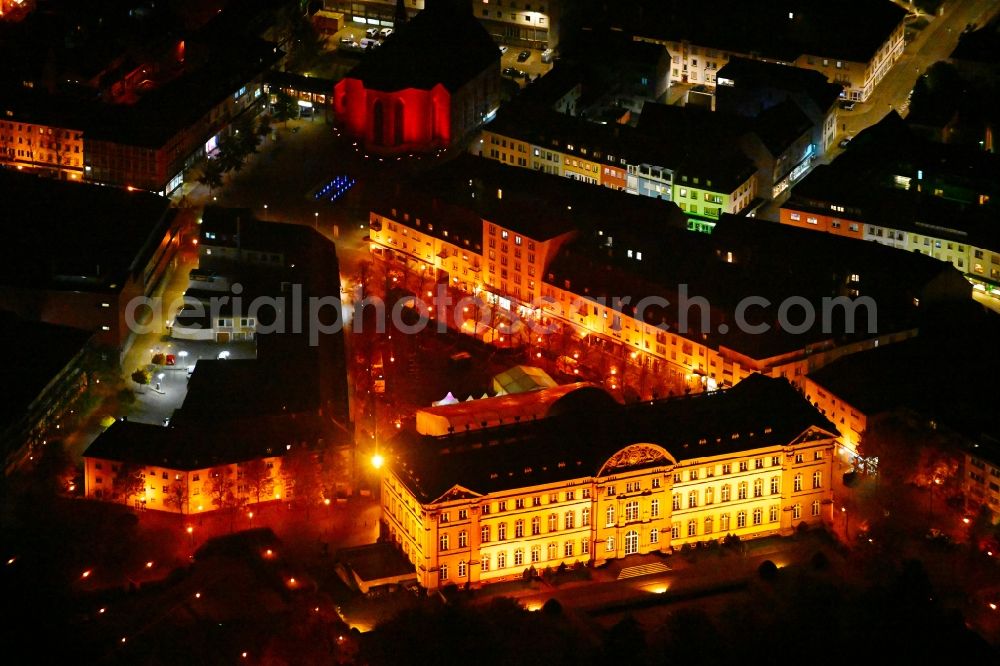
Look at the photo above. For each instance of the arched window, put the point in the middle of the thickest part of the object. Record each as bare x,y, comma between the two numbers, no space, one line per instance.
484,563
758,487
631,542
741,519
485,534
692,499
463,539
552,551
742,491
708,525
585,517
501,560
536,525
518,557
758,516
570,520
709,495
444,542
610,515
676,501
775,485
518,529
502,532
797,482
724,522
536,554
553,522
724,495
462,569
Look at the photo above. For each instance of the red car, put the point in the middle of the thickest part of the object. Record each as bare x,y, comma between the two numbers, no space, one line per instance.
171,359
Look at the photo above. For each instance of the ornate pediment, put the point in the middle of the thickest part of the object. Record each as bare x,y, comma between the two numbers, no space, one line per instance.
456,492
636,455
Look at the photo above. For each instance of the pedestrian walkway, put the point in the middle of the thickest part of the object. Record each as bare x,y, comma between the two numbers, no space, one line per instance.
644,570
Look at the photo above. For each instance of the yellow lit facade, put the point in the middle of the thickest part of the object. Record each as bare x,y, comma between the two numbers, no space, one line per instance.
159,492
641,500
51,150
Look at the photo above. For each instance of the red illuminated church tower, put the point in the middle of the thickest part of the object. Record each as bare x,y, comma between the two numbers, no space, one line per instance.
431,83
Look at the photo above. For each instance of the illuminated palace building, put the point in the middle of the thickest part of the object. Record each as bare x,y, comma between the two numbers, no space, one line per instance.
482,490
436,79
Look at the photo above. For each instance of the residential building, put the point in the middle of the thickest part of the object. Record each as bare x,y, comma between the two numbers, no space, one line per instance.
581,479
750,87
933,199
854,42
595,247
41,377
114,246
623,158
112,115
413,94
531,24
294,393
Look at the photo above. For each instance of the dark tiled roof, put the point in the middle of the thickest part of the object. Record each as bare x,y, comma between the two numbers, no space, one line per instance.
66,235
205,444
439,45
780,126
760,410
746,73
847,29
539,205
910,376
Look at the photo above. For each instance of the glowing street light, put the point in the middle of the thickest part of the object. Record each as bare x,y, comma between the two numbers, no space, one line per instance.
378,461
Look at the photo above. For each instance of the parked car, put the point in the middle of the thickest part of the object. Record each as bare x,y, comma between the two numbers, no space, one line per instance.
847,104
523,56
503,49
371,33
843,142
385,32
347,40
548,55
511,72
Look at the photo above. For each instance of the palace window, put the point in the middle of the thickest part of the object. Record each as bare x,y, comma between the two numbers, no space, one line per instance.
758,516
609,516
463,539
585,517
518,529
726,490
742,491
654,508
631,511
536,526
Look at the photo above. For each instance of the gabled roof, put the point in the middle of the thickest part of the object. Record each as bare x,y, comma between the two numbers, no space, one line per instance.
439,45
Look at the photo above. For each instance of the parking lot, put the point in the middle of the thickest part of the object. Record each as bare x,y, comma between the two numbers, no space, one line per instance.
167,388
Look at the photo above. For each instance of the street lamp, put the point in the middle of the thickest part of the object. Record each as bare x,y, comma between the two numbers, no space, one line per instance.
843,510
378,461
316,220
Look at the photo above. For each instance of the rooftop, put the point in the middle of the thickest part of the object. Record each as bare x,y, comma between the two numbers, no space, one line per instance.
749,74
204,444
104,234
539,205
852,30
43,351
439,45
578,441
908,375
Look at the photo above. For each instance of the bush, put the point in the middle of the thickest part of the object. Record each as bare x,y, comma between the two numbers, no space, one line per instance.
552,607
158,358
767,570
819,561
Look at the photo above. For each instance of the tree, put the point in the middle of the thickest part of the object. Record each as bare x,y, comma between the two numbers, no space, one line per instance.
220,487
211,174
257,478
231,153
246,135
301,473
129,482
141,377
177,495
284,106
263,126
